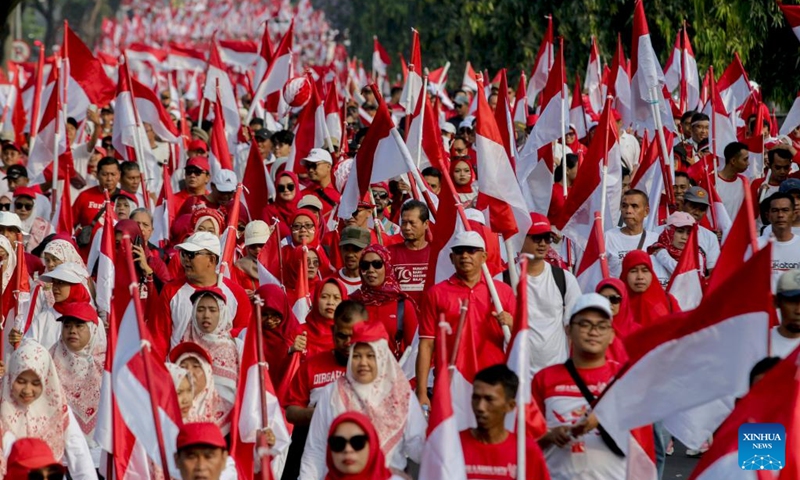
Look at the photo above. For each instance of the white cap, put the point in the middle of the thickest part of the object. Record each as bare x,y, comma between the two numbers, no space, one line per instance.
11,219
256,233
224,181
593,301
468,122
309,201
468,239
680,219
201,241
475,215
319,155
448,127
66,272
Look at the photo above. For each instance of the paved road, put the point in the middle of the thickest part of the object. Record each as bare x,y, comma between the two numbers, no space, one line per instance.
679,465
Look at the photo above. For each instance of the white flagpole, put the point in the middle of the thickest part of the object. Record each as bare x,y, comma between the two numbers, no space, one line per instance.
662,143
421,122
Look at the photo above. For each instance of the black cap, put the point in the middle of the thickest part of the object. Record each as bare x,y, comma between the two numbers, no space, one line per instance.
263,134
15,172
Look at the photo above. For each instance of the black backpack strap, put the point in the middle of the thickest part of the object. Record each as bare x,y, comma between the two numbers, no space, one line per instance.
561,282
324,196
589,396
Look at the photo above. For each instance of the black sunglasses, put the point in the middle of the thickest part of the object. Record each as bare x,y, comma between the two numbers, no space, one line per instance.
284,188
463,250
5,207
337,444
614,299
364,265
193,171
23,206
190,255
547,238
380,195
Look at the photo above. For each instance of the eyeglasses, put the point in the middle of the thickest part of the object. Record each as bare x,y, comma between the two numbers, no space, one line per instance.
380,195
463,250
614,299
586,326
193,172
190,255
303,226
289,187
546,238
337,444
23,206
364,265
5,207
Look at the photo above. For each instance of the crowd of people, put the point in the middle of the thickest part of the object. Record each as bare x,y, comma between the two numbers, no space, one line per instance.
350,319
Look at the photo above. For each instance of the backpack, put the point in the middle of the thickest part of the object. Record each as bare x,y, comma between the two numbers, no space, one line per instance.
561,282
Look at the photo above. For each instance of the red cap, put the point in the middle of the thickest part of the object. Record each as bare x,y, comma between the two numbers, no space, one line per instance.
199,162
367,332
530,120
216,291
382,185
25,192
539,224
102,151
82,311
189,347
197,145
30,454
200,433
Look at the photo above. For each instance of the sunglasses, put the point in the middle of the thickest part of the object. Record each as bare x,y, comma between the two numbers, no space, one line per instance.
190,255
546,238
614,299
364,265
289,187
193,172
5,207
337,444
23,206
463,250
380,195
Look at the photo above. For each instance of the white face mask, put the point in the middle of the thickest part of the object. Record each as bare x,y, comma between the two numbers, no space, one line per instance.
446,142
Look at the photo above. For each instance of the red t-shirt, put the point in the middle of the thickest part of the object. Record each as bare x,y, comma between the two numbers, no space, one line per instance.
330,192
312,376
499,461
411,269
88,205
387,315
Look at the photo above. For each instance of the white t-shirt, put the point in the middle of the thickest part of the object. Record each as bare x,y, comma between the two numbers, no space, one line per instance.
618,245
547,315
351,283
663,266
731,192
785,256
782,346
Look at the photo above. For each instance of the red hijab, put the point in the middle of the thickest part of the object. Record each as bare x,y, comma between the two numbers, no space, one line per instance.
389,290
278,340
462,188
77,294
375,469
320,336
653,303
281,209
623,322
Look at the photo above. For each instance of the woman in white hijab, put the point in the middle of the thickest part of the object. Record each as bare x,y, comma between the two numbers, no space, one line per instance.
33,404
375,386
79,358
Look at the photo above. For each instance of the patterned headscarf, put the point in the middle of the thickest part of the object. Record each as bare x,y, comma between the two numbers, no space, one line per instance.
389,290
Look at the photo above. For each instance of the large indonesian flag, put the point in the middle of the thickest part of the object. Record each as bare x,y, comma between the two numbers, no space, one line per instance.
792,14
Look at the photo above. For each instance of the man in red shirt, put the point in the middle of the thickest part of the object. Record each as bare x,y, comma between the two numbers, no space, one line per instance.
482,323
779,161
319,164
172,313
410,258
197,176
573,445
490,451
88,204
314,375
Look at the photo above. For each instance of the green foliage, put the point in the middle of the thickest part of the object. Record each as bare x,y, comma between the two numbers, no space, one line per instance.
506,33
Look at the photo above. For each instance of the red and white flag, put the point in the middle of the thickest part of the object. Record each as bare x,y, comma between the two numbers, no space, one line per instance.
442,456
63,221
246,419
593,267
498,190
773,399
219,89
521,102
593,82
105,262
686,283
502,114
650,175
541,68
139,54
470,80
380,59
587,194
721,129
256,183
425,124
792,119
708,352
792,14
681,72
647,79
88,83
240,54
264,56
229,237
268,93
219,155
333,112
734,86
382,156
51,139
411,88
165,212
535,175
184,57
310,131
619,85
577,114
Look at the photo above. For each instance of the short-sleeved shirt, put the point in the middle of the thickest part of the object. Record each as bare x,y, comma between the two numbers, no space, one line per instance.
499,461
314,374
410,268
